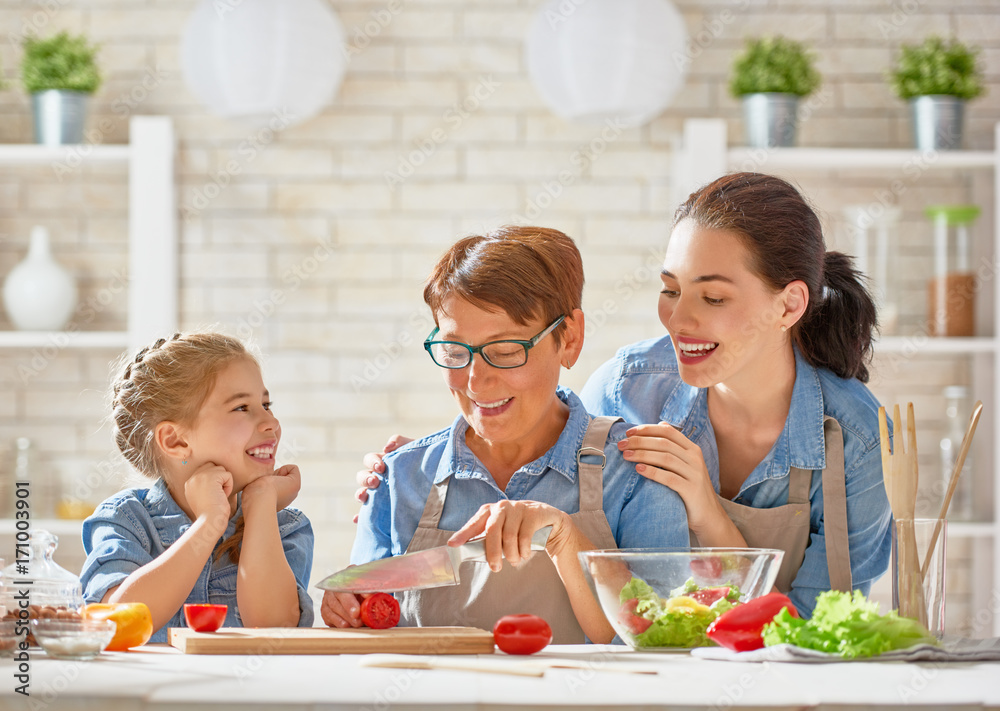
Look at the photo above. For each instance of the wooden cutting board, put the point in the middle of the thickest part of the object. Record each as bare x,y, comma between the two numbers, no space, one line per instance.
325,640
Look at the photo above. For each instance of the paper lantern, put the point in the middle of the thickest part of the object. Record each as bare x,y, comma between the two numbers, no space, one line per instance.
594,60
259,61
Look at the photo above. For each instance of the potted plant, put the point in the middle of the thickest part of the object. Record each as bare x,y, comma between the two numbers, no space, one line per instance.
60,73
771,75
937,78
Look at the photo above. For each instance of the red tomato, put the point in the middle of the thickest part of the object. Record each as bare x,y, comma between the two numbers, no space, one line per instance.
709,596
522,634
205,618
380,611
636,624
740,629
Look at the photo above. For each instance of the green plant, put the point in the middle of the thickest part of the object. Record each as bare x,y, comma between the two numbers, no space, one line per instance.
937,67
774,65
62,62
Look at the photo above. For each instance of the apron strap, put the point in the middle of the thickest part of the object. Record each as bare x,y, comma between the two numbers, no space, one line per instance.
799,481
838,553
435,504
590,474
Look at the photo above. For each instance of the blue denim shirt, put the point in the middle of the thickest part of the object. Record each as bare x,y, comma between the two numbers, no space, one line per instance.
641,384
134,526
640,512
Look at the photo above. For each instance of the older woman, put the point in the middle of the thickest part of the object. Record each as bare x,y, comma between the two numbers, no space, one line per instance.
507,310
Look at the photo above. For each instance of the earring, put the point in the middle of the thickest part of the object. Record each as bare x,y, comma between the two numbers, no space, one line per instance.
184,463
784,328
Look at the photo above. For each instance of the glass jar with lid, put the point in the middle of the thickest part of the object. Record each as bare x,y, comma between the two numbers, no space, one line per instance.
39,584
951,293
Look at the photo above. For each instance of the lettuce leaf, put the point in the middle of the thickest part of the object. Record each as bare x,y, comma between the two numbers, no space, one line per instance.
673,625
848,625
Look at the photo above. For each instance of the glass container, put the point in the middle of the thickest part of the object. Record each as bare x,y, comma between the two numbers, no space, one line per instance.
956,420
951,293
874,231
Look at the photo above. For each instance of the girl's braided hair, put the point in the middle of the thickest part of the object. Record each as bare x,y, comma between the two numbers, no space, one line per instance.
169,381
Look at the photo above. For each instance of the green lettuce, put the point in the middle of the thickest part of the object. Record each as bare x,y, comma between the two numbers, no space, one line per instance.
848,625
674,627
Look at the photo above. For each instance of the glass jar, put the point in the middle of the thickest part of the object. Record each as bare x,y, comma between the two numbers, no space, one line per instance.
40,585
951,293
874,232
956,419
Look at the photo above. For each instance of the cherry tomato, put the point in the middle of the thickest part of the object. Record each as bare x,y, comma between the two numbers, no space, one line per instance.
205,618
521,634
740,628
380,611
634,623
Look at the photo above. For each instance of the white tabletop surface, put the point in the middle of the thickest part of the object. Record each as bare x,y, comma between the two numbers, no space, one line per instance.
163,679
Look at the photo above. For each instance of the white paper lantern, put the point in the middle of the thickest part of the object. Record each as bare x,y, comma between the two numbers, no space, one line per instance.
258,60
594,60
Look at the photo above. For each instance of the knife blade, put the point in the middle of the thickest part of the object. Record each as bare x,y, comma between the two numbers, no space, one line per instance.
431,568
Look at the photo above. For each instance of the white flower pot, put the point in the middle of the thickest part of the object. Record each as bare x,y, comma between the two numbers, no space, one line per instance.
39,294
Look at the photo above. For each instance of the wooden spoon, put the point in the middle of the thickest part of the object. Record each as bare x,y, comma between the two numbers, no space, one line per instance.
953,483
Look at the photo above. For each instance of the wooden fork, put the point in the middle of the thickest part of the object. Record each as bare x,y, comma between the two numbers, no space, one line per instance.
901,477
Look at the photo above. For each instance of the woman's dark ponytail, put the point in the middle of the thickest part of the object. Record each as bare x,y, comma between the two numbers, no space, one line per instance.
836,331
785,240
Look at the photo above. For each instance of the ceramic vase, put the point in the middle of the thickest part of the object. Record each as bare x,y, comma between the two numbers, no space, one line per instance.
39,294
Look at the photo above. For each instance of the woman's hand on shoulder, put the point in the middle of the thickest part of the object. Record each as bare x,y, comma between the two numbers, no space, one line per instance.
341,609
373,465
663,454
207,492
509,526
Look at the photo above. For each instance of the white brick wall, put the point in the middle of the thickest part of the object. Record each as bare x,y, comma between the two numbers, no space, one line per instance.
310,248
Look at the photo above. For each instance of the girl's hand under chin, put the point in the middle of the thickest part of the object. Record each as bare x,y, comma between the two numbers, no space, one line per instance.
284,484
207,492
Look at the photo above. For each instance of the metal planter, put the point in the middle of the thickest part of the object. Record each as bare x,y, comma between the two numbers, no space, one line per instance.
937,122
770,119
59,116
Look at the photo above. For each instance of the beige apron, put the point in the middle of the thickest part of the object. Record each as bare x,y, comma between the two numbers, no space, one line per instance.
482,597
787,527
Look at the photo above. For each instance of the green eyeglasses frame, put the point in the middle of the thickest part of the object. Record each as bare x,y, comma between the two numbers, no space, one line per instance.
429,344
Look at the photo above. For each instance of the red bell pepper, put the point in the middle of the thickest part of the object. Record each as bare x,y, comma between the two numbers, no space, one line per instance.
740,628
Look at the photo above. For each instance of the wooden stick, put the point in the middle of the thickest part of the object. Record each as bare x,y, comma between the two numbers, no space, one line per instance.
952,483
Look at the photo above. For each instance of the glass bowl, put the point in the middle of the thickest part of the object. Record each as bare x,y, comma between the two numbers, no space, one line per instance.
9,638
73,639
663,599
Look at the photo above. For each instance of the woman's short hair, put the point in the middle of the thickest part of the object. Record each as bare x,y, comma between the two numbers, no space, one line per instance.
529,273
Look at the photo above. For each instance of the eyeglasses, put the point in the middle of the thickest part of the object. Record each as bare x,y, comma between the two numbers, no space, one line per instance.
455,355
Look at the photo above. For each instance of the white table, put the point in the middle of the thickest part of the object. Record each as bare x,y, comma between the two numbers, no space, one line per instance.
163,679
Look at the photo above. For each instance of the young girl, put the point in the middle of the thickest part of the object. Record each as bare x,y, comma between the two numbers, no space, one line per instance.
192,414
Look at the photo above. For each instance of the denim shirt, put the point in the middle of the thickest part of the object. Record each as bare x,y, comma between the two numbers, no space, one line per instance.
641,383
640,512
134,526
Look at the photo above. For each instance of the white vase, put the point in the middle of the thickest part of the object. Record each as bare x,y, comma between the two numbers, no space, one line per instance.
38,293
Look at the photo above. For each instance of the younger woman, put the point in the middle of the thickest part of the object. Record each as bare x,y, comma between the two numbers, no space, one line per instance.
193,415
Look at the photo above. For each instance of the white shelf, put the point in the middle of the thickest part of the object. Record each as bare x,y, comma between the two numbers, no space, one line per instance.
925,344
118,340
825,158
28,153
152,230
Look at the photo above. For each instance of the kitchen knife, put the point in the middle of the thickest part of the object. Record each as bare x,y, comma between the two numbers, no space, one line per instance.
431,568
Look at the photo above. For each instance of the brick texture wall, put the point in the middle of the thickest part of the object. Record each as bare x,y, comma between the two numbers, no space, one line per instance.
306,248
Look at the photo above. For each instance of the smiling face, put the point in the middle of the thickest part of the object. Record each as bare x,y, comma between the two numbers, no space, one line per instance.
724,322
508,407
235,428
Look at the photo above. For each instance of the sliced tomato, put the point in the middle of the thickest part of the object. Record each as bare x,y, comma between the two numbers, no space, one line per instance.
380,611
521,634
205,618
740,629
710,596
633,622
